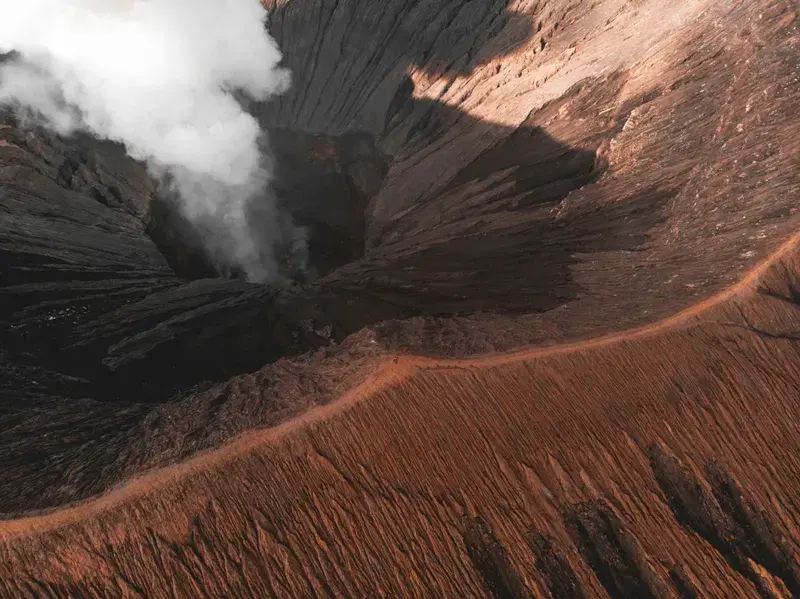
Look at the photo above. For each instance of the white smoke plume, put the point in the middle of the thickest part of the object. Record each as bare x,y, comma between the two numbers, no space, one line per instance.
161,77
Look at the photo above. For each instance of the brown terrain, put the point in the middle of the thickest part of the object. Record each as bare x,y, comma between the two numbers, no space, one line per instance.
547,343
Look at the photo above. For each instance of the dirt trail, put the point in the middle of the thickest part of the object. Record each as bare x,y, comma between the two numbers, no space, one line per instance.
681,318
393,371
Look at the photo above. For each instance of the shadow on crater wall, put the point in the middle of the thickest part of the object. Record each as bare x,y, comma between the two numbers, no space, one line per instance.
496,238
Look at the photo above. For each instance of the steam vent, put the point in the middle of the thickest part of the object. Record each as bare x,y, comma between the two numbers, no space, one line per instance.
533,331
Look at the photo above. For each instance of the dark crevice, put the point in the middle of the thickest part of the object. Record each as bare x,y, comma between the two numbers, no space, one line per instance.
325,183
322,183
561,580
695,507
178,241
614,554
490,559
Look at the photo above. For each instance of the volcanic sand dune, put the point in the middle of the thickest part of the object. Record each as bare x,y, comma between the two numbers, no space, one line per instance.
564,365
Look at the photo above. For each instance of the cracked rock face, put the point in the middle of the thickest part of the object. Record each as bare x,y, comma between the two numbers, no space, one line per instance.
475,177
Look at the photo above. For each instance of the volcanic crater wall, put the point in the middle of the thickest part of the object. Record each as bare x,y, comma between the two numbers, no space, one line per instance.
475,177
